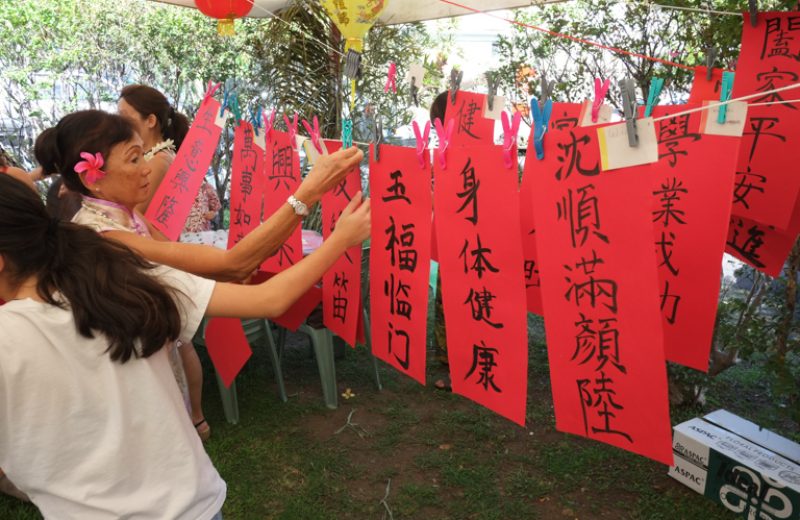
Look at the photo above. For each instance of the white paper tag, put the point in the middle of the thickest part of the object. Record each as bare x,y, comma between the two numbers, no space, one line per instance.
260,138
498,105
603,116
615,152
734,120
220,119
311,151
415,70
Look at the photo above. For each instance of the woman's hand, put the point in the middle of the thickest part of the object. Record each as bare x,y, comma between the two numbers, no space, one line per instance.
327,172
354,226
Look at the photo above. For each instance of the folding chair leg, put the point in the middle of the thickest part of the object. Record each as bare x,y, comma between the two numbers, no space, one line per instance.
276,361
322,341
230,402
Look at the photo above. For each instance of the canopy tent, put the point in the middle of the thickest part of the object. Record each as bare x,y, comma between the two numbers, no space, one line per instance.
396,11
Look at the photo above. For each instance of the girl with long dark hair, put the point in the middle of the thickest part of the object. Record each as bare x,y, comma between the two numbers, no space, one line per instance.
91,420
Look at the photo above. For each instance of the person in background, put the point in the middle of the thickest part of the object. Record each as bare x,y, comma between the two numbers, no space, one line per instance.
62,202
15,172
205,209
97,428
78,147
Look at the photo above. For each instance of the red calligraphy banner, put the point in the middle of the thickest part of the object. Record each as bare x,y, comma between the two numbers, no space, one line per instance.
400,258
246,183
227,347
469,125
704,89
174,197
692,185
341,285
282,178
758,245
564,115
600,289
767,185
480,256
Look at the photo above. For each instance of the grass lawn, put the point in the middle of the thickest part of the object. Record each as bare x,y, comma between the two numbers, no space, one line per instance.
432,454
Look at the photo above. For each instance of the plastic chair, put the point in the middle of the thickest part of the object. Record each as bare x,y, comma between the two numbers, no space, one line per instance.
257,331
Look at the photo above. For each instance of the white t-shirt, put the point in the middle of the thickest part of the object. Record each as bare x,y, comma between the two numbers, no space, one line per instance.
87,438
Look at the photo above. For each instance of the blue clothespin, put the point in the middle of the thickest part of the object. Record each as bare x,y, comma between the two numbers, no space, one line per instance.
724,95
541,120
347,133
233,104
652,97
255,116
225,95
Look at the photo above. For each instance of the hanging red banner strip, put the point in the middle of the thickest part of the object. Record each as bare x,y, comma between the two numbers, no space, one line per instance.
227,347
692,185
564,115
246,183
600,289
281,179
174,197
469,125
760,246
483,294
704,89
400,258
767,185
341,285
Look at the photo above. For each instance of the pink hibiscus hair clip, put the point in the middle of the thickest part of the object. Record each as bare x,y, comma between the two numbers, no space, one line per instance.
91,165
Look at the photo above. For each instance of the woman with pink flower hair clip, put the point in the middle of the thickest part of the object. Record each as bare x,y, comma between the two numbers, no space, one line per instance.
100,156
93,424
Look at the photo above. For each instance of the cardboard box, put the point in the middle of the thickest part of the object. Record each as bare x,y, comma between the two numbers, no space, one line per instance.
737,472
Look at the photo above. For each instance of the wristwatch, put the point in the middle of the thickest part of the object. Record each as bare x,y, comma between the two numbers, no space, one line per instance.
299,207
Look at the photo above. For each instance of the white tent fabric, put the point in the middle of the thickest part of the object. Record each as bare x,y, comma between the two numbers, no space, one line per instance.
396,11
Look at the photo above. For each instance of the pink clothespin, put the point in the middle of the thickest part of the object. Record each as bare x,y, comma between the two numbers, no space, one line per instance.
422,141
444,139
510,131
313,133
391,78
210,91
292,129
600,91
269,122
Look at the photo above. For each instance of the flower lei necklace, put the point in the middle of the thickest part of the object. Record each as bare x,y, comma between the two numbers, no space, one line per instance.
169,144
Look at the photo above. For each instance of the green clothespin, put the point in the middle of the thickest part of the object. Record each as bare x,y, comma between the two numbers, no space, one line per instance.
233,104
347,133
652,97
724,95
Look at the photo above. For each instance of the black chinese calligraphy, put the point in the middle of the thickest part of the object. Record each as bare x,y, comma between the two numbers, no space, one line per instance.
340,301
403,252
398,293
582,215
480,302
483,360
668,197
469,195
570,157
466,117
480,258
396,190
747,182
600,399
759,127
777,38
746,242
166,209
405,349
672,133
598,344
587,287
282,167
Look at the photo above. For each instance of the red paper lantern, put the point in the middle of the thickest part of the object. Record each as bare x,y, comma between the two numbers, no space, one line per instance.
226,11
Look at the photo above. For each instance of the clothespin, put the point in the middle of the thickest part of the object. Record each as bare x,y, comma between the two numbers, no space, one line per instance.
753,12
210,91
414,91
422,141
444,139
724,95
292,129
491,83
455,83
347,133
547,90
628,89
233,104
225,95
652,96
541,120
314,133
600,91
391,78
376,143
255,118
269,122
711,56
510,131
